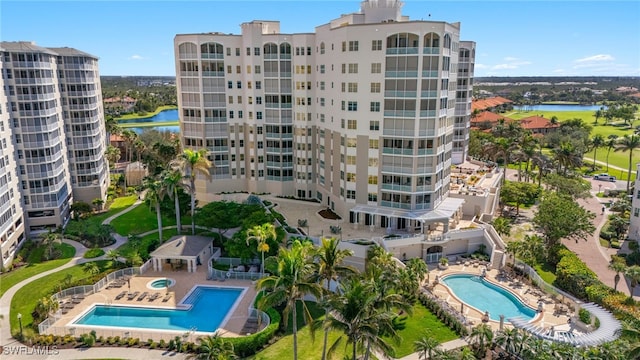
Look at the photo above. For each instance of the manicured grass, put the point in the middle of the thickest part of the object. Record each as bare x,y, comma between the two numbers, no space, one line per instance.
25,299
148,115
143,219
416,326
7,280
546,272
149,124
116,206
93,253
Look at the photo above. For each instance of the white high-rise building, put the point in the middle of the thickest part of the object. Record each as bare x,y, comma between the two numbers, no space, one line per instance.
366,114
634,220
55,122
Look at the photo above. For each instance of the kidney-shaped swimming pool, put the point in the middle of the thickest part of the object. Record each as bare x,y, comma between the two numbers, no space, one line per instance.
485,296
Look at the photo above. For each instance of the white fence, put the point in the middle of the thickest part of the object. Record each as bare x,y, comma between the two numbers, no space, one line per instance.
548,288
215,274
88,290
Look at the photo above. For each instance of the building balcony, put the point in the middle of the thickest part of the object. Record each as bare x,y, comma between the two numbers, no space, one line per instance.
400,113
395,205
402,50
397,151
36,97
397,187
401,74
427,113
430,73
38,81
212,73
400,94
211,56
429,94
430,50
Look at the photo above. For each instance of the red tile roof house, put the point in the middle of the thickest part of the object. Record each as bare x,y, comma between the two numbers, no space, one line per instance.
538,125
489,103
487,120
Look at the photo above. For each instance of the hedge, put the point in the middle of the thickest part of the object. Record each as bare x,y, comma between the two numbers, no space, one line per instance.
248,345
448,319
573,275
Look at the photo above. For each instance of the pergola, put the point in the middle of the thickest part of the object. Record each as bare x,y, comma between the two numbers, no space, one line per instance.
192,249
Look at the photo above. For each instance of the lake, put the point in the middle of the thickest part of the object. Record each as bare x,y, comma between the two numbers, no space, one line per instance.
164,115
139,130
558,107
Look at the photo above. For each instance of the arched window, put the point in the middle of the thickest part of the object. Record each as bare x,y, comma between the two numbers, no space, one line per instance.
432,40
212,50
322,48
464,54
188,50
447,41
285,51
402,40
270,50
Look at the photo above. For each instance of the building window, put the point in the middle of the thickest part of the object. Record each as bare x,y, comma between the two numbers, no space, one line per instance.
259,115
230,84
375,87
239,84
257,69
375,106
373,197
376,68
321,69
376,45
258,85
374,125
373,143
353,87
636,212
344,46
351,194
321,85
352,124
353,68
352,106
256,51
353,45
373,179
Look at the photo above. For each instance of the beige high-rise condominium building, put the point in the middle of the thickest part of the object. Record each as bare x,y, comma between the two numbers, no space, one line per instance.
366,114
53,119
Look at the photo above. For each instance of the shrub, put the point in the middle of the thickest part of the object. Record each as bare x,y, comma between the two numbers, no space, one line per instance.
162,343
585,316
93,253
573,275
153,345
249,345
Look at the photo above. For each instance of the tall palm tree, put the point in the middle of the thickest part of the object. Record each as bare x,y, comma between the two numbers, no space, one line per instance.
628,143
214,347
290,283
508,339
482,336
262,233
597,142
113,255
173,181
566,156
598,114
633,274
611,142
465,353
191,163
49,240
329,259
618,266
113,155
129,137
156,191
425,346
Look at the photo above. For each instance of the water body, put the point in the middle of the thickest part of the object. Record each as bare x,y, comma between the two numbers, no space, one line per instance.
558,107
173,129
164,115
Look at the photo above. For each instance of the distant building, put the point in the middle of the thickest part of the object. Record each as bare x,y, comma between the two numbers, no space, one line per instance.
487,120
55,122
119,104
489,103
538,125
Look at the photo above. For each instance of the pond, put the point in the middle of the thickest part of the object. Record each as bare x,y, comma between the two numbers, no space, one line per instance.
162,116
173,129
558,107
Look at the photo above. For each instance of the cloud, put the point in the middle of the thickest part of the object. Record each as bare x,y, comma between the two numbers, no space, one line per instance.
510,63
481,66
595,58
136,57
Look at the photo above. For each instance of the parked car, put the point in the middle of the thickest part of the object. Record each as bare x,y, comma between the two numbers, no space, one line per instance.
605,177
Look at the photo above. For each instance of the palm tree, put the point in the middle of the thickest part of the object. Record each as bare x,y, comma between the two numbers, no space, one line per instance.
597,142
214,347
598,114
508,339
611,142
628,143
567,157
156,190
173,181
129,137
425,346
113,255
91,268
502,225
290,283
633,274
49,239
191,163
465,353
634,334
113,155
98,202
481,335
329,260
261,233
418,269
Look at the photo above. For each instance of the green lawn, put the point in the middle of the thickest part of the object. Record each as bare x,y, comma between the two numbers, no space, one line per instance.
416,326
116,206
7,280
25,299
149,124
147,115
546,272
143,219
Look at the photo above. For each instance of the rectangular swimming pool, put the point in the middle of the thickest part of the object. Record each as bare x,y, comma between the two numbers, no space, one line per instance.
209,309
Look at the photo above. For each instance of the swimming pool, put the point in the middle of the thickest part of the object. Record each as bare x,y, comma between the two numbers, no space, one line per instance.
485,296
206,309
161,283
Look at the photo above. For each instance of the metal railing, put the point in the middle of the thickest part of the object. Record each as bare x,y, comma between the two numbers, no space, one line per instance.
545,286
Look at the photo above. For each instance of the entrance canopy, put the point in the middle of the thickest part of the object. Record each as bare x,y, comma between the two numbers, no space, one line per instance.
442,213
191,249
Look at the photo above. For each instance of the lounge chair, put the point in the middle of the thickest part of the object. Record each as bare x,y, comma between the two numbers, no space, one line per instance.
132,296
121,295
144,295
154,296
166,298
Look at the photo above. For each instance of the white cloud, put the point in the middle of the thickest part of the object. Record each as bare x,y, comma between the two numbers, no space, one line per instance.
595,58
510,63
481,66
136,57
510,58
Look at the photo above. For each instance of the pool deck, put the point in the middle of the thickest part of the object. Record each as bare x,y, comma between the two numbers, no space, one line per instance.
184,282
527,293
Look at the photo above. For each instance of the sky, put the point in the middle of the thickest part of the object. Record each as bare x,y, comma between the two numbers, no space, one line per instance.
513,37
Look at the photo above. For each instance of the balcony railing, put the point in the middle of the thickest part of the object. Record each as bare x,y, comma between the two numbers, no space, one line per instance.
399,93
402,50
396,151
401,74
212,56
396,187
430,50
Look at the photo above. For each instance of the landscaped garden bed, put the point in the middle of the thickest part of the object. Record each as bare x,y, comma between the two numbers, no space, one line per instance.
329,214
